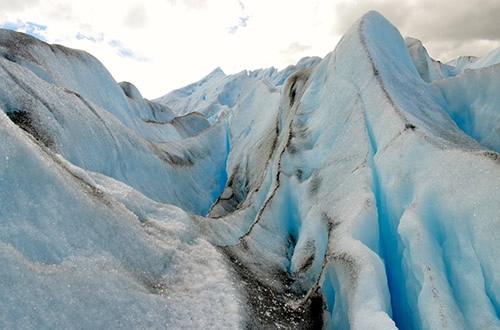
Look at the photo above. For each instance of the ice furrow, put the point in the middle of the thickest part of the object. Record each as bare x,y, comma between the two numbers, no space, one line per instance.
351,197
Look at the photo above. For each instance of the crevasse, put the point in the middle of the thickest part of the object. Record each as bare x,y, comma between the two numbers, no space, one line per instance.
357,191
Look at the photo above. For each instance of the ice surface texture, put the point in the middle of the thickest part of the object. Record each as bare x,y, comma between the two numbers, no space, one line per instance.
358,191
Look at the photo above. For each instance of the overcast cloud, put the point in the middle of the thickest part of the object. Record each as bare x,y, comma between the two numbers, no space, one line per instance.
136,17
448,28
296,49
10,5
160,45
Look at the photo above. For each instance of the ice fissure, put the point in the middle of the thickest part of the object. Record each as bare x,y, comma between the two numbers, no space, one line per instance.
357,191
389,239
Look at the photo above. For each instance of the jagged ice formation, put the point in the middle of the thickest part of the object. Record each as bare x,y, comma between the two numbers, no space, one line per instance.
357,191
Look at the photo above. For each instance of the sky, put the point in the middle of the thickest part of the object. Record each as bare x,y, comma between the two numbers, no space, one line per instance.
161,45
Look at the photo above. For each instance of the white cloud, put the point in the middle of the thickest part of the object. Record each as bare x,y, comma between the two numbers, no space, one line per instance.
160,45
137,17
196,4
13,6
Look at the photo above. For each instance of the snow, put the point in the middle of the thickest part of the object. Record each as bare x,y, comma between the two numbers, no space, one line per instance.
357,191
472,101
92,138
94,264
217,93
489,59
464,63
81,73
428,68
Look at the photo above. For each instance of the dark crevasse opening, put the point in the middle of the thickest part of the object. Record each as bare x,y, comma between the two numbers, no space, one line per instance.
292,242
402,314
293,222
328,292
465,121
223,178
282,306
337,308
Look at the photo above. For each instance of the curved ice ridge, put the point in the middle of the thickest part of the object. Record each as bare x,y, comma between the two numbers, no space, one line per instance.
358,191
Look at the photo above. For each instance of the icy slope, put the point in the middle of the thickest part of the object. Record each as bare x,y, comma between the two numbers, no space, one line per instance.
217,93
74,257
462,62
358,191
428,68
83,74
471,62
93,138
364,200
472,100
489,59
471,96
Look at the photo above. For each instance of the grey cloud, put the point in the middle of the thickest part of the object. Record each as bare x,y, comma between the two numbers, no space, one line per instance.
448,50
13,6
137,17
294,51
62,12
456,20
347,13
447,22
296,47
197,4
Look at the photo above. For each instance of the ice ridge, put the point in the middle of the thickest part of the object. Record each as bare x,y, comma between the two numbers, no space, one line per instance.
357,191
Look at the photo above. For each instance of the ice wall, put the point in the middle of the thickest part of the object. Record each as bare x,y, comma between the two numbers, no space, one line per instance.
74,256
357,191
356,202
171,167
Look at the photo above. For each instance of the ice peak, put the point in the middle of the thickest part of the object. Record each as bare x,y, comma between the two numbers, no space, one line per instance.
335,193
216,72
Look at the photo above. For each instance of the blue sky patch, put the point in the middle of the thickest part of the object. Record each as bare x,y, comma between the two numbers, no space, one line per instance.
81,36
241,24
123,51
243,21
30,28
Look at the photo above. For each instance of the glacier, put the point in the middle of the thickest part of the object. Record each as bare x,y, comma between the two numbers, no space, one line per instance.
356,191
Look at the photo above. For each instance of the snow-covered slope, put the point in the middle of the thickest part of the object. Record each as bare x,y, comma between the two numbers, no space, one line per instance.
85,127
358,191
83,74
427,67
74,257
489,59
472,100
217,93
462,62
471,62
